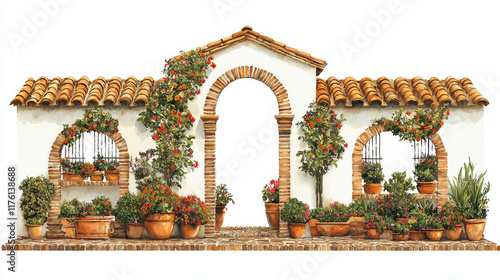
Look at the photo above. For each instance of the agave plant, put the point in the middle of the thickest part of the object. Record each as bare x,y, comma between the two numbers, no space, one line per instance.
427,206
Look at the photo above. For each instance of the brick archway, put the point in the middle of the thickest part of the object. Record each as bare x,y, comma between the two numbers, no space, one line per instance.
54,226
284,120
441,193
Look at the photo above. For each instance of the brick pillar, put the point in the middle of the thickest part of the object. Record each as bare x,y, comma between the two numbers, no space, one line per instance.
210,125
54,229
284,128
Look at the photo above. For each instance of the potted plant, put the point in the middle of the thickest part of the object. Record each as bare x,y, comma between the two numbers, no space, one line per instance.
76,171
451,219
372,175
129,212
111,170
434,228
357,211
93,220
417,226
332,220
426,174
469,192
387,222
296,213
313,220
158,203
69,210
400,231
373,225
190,214
99,167
140,167
270,196
222,198
400,202
37,193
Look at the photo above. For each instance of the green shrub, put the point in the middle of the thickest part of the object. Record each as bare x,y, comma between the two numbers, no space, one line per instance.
37,193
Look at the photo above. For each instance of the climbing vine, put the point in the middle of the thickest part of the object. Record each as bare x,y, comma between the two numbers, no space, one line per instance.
94,120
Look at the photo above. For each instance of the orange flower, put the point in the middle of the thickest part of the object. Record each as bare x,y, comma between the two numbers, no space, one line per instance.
201,81
172,72
396,123
441,123
408,112
83,128
339,126
431,119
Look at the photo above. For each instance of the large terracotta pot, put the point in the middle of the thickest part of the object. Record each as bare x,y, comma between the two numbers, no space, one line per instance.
69,176
400,237
426,187
96,176
134,230
189,231
35,231
159,226
93,227
453,234
372,233
357,226
273,215
297,230
333,229
417,235
312,227
434,234
474,228
372,188
220,211
112,175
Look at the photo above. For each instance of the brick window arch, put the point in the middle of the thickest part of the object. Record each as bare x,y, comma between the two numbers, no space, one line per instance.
357,185
284,120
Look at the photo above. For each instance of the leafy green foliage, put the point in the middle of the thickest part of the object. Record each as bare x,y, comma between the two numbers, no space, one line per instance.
100,206
399,228
373,219
157,198
128,209
141,167
432,222
295,211
191,210
334,213
426,170
371,172
94,120
69,209
37,193
222,195
398,183
426,206
360,207
417,221
271,192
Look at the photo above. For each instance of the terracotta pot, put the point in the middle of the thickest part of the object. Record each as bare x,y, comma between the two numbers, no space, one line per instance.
434,234
220,211
189,231
372,188
69,176
357,226
403,221
297,230
400,237
453,234
112,175
96,176
66,223
93,227
35,231
273,215
372,233
426,187
417,235
333,229
70,231
134,230
159,226
386,234
312,227
474,228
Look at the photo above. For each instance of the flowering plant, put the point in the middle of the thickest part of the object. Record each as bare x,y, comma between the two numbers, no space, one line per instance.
321,133
371,172
191,210
94,120
450,216
427,169
99,164
223,197
424,123
270,193
417,221
373,219
359,207
128,209
140,167
399,228
100,206
432,222
334,213
83,168
111,165
295,211
387,223
157,198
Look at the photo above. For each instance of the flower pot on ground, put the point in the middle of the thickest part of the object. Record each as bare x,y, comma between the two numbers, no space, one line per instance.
296,213
76,171
434,228
94,219
400,231
386,234
453,234
69,210
270,196
222,198
332,220
312,226
158,203
129,212
451,218
333,229
159,225
417,234
386,224
374,225
426,174
372,175
134,230
190,214
417,226
372,232
37,193
474,228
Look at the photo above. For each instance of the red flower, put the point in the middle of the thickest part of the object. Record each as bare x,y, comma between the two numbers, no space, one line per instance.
434,130
396,123
176,152
345,145
416,117
90,127
197,92
213,65
172,72
172,167
431,119
408,112
201,81
432,105
441,123
448,112
418,139
211,58
311,124
154,118
196,164
339,126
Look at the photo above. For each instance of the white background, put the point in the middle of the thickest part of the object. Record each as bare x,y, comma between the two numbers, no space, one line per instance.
132,38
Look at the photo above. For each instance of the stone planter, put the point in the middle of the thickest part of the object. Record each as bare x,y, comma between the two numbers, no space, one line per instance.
453,234
357,226
400,237
417,235
297,230
312,227
220,211
134,230
112,175
333,229
386,234
273,215
35,231
159,226
426,187
97,176
434,234
474,228
372,188
372,233
189,231
69,176
93,227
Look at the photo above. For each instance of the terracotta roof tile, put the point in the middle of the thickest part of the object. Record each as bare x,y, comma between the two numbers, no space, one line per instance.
400,92
322,92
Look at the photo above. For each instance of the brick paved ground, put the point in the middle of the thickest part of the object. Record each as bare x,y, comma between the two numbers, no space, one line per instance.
249,238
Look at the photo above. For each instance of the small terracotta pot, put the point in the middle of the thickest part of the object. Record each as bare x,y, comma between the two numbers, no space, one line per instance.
372,233
112,175
220,211
159,226
93,227
273,215
453,234
403,221
134,230
312,227
474,228
400,237
96,176
189,231
417,235
69,176
297,230
35,231
70,231
372,188
66,223
333,229
426,187
434,234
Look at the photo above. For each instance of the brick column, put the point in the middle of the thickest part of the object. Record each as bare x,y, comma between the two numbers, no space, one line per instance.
284,128
210,125
54,229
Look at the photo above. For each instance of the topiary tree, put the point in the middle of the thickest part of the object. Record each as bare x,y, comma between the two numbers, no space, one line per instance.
321,134
35,199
